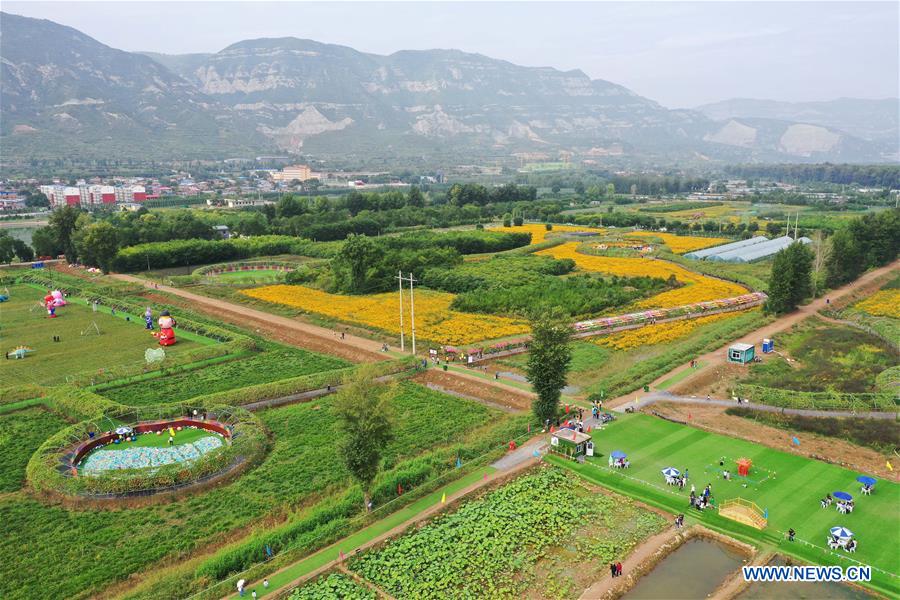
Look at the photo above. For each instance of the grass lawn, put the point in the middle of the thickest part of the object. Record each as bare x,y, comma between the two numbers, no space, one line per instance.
255,276
789,486
151,440
827,356
667,383
120,342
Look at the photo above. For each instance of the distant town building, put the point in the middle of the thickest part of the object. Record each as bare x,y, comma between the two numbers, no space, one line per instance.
298,172
11,202
92,195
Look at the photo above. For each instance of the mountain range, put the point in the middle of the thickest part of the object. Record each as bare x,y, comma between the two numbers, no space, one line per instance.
62,93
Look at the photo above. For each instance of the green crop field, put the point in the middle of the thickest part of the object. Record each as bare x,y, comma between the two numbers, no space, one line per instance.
787,485
273,364
255,276
66,552
120,342
539,535
21,433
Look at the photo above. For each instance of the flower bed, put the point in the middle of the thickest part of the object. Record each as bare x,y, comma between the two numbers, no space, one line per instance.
697,288
435,320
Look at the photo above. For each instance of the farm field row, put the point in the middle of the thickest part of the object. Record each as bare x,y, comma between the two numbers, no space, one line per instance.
65,551
270,364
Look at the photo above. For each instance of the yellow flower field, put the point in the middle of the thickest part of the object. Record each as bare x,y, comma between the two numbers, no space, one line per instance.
885,303
434,319
680,244
658,333
697,288
539,232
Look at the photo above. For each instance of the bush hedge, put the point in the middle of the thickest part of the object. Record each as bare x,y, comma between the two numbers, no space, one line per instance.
817,400
181,253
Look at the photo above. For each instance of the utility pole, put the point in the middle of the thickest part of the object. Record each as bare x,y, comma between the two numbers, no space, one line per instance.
412,312
400,282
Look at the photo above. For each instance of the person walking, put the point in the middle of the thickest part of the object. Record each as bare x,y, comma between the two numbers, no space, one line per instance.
253,594
612,569
791,534
266,583
618,569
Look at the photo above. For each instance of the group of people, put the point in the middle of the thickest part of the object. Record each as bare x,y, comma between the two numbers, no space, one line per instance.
679,521
845,507
615,569
679,480
848,544
619,463
702,501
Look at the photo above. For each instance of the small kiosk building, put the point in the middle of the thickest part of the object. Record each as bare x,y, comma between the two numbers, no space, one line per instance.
741,354
571,444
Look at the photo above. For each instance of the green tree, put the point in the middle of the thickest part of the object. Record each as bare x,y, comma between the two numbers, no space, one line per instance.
610,190
354,263
791,279
548,360
97,245
44,242
23,251
363,407
415,197
63,221
7,249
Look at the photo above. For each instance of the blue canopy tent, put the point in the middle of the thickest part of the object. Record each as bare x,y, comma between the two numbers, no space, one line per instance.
671,472
843,496
618,454
866,480
842,533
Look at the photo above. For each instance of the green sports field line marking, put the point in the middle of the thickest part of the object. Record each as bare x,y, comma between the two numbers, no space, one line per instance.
667,383
350,543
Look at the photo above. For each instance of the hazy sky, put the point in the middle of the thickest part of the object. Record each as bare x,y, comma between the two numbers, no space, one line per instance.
679,54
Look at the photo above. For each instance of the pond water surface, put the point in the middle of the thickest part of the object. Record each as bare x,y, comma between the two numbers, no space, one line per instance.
691,572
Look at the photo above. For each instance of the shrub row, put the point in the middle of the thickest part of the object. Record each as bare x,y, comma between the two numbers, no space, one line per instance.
465,242
304,383
816,400
180,253
24,391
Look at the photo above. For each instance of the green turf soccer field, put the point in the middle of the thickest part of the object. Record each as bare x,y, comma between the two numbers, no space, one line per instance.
82,348
788,485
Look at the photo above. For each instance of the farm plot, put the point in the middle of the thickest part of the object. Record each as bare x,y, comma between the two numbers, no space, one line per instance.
539,231
273,364
696,288
114,342
680,244
825,357
65,552
537,535
21,433
336,586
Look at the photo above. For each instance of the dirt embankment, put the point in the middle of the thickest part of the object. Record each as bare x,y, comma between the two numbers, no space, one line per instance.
828,449
467,387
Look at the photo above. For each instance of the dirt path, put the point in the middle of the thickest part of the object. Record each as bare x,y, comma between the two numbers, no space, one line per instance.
309,336
718,357
606,586
829,449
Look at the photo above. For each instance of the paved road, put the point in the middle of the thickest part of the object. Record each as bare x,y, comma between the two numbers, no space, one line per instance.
718,357
654,397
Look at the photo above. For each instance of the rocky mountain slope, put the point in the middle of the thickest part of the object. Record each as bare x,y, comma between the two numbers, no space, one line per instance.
62,91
